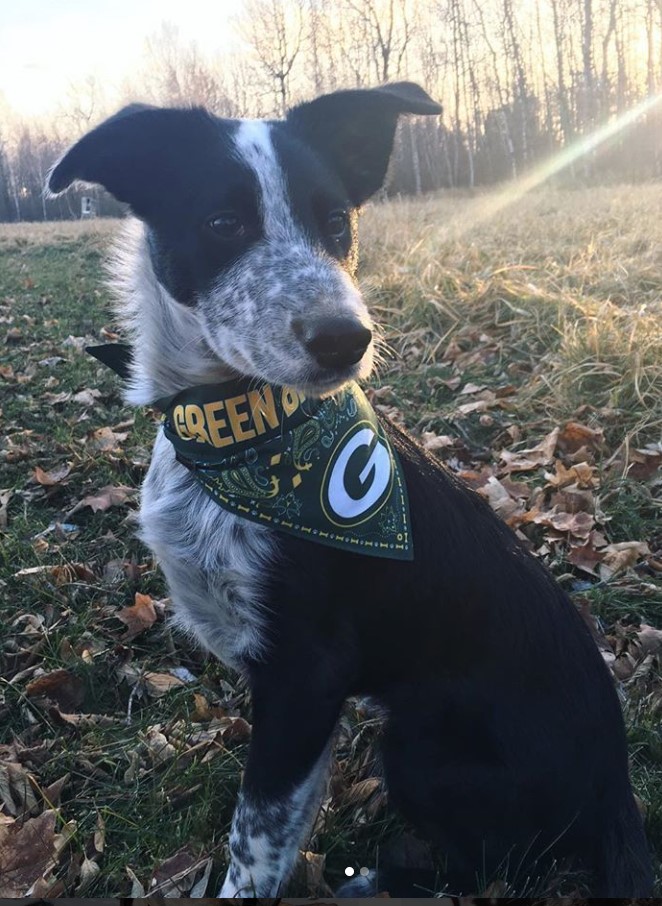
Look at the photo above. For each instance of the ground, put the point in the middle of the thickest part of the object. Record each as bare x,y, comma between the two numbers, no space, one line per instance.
522,343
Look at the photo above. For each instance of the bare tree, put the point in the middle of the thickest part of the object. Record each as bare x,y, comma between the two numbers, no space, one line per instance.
275,31
389,26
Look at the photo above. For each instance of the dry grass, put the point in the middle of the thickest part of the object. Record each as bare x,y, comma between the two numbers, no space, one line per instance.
569,279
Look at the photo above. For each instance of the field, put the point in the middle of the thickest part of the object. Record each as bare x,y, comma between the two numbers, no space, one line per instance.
523,346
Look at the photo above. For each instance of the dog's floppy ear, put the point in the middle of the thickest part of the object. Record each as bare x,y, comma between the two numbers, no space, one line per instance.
354,130
134,154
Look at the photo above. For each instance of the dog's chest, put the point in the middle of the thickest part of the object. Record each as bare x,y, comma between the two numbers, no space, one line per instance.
215,563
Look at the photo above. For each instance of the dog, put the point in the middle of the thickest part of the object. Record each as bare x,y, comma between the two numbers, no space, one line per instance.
504,742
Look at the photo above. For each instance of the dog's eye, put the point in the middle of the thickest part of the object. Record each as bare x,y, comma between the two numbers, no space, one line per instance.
226,225
337,224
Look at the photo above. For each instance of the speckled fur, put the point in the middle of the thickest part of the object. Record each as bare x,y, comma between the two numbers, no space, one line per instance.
247,318
265,837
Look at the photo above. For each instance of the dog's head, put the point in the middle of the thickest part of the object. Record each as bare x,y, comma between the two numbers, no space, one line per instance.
253,223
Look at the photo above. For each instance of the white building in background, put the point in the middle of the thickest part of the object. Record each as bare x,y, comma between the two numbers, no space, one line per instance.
88,207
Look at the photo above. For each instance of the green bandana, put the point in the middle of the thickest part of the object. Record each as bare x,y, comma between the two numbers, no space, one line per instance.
323,470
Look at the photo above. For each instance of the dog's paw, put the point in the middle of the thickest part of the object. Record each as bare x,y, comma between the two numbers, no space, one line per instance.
361,886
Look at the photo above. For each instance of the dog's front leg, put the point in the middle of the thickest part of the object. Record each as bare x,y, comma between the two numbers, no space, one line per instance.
293,724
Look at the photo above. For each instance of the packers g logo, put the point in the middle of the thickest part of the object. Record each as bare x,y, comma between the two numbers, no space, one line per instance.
358,478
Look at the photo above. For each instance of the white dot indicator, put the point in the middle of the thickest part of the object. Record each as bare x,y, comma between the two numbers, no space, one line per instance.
349,871
364,872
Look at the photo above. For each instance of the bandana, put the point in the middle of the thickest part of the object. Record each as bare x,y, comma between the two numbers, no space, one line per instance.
323,470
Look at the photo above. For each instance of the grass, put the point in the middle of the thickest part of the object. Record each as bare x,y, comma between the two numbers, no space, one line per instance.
551,310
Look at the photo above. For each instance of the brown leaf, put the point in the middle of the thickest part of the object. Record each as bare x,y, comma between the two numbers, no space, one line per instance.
203,711
585,557
158,748
645,463
16,790
581,474
649,639
622,556
61,686
434,442
309,873
471,388
501,501
237,731
359,793
577,524
138,617
100,834
105,498
87,397
527,460
160,683
7,372
52,478
26,852
184,874
105,440
5,497
72,572
13,336
573,436
63,574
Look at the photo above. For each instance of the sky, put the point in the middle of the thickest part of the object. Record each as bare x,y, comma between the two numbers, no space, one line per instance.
48,45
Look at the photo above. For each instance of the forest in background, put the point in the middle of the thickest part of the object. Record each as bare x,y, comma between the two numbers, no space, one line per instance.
519,81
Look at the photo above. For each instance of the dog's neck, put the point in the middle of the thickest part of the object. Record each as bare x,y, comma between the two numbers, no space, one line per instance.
169,349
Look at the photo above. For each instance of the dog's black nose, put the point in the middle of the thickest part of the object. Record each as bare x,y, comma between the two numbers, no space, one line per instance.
334,342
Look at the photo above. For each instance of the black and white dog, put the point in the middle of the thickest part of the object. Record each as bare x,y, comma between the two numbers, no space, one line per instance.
504,742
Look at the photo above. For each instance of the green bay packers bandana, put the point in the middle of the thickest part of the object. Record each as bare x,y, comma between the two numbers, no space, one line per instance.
323,470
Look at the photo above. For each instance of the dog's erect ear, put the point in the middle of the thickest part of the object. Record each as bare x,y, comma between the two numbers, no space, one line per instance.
134,154
354,130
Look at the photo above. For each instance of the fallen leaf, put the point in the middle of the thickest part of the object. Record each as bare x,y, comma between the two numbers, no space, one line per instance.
157,684
105,498
105,440
434,442
138,617
500,500
61,686
5,497
159,749
16,790
649,639
532,458
88,871
622,556
237,731
182,873
52,478
359,793
581,474
13,336
574,435
87,397
585,557
100,834
309,873
27,851
63,574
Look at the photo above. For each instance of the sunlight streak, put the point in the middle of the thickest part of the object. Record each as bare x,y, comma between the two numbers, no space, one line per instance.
511,194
